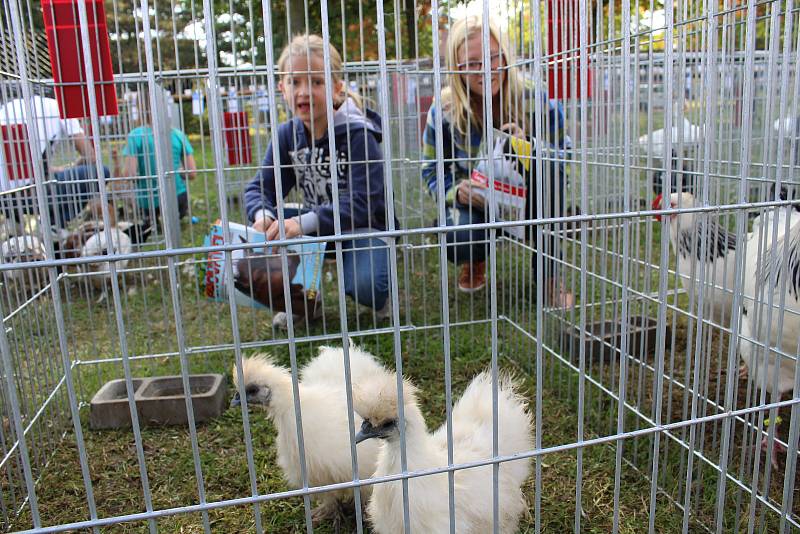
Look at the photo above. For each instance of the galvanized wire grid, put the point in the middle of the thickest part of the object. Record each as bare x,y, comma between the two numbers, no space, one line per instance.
642,367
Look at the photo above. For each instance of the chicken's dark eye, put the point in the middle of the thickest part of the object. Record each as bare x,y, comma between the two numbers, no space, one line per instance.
388,424
251,390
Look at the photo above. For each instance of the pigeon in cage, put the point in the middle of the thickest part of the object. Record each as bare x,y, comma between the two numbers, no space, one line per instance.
326,430
704,247
20,249
376,402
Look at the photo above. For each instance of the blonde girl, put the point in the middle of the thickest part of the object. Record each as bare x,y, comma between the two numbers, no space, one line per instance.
463,131
304,162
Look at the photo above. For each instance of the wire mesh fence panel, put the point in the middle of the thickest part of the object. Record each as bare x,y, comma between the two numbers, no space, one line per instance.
399,266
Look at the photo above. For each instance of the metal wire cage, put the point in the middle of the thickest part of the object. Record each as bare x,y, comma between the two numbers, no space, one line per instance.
641,416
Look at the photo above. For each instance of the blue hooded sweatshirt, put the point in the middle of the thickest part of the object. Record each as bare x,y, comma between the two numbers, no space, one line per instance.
359,164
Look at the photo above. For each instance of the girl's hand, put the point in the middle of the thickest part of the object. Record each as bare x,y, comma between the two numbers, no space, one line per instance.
466,197
261,225
512,128
291,228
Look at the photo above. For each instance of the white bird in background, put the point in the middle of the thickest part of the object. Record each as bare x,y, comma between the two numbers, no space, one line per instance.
770,276
23,248
713,257
94,239
376,402
764,271
326,430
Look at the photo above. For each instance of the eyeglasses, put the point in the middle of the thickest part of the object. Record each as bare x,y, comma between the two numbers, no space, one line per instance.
478,65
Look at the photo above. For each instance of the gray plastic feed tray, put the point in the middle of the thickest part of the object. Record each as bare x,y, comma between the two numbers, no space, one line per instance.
159,401
602,339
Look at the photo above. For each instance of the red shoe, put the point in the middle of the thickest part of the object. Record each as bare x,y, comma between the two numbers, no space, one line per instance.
472,277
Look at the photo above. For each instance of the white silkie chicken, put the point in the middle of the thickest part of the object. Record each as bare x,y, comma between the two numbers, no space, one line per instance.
429,512
328,367
18,249
326,433
716,255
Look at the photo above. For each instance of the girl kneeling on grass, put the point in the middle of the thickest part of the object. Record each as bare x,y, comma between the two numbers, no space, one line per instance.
462,134
303,161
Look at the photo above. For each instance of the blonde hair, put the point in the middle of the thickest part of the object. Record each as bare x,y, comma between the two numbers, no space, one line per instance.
455,98
308,45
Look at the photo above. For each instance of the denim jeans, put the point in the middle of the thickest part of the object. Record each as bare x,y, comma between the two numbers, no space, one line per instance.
473,245
365,266
74,188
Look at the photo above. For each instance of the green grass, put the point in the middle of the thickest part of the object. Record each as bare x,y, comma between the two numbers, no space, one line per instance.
150,328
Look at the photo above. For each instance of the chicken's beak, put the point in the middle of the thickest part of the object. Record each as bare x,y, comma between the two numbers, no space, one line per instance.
657,205
367,432
236,401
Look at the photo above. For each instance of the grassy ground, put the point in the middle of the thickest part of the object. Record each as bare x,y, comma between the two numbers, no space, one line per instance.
150,329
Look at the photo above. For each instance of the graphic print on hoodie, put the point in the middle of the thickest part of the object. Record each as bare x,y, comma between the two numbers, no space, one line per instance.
359,169
314,168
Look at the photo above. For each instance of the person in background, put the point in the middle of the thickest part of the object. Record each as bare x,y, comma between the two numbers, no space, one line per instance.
72,186
463,132
139,164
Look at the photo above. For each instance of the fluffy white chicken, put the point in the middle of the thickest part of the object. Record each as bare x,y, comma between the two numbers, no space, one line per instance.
376,402
328,367
326,437
716,255
23,248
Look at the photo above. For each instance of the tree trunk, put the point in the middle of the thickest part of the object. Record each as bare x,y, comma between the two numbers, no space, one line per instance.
297,17
411,28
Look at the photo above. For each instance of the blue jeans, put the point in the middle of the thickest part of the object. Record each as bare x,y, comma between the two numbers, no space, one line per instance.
365,266
74,188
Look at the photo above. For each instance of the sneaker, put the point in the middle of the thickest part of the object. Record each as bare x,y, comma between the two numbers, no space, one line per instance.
280,320
472,277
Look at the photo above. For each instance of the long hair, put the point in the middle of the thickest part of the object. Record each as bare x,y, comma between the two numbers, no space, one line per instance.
311,45
455,97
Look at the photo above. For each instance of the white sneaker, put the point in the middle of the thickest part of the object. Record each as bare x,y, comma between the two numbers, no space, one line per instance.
281,319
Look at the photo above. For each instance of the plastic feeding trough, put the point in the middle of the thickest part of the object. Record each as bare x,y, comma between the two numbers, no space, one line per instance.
159,401
603,339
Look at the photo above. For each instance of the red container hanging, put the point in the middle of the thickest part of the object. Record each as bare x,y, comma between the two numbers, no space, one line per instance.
19,167
237,137
62,26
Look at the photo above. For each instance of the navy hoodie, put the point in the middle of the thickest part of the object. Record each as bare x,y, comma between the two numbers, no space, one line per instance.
359,164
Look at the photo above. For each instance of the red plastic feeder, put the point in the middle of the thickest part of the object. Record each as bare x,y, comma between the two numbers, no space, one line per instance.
237,137
64,43
19,167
